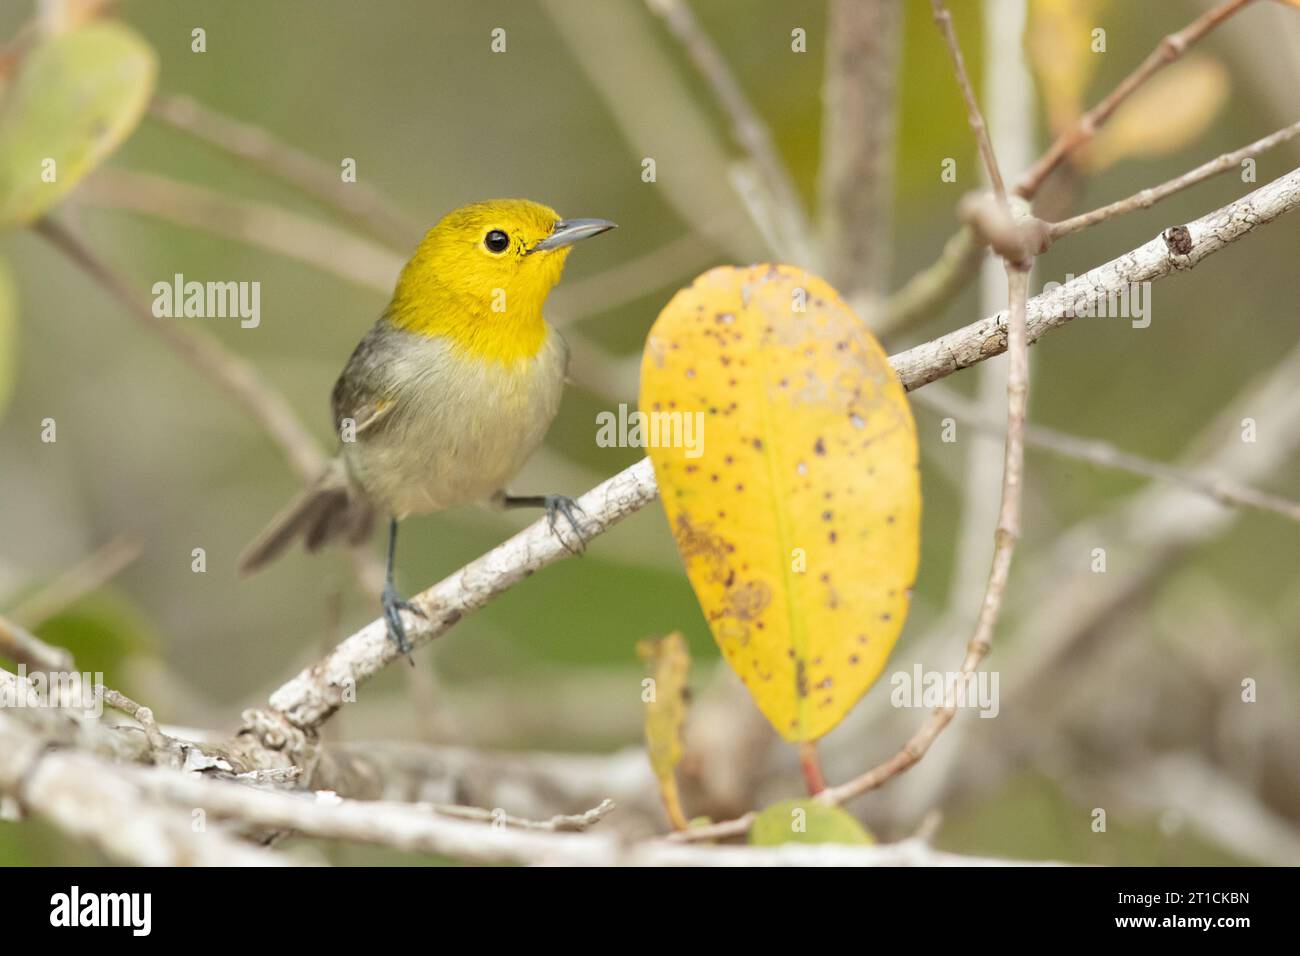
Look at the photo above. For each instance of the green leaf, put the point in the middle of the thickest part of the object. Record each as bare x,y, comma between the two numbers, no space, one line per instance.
8,335
806,821
104,631
76,98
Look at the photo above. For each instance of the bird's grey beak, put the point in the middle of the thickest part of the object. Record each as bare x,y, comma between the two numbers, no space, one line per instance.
569,231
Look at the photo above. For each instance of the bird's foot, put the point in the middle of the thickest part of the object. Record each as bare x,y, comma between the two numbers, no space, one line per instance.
562,505
393,605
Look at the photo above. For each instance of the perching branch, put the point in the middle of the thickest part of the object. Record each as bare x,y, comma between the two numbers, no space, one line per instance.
305,702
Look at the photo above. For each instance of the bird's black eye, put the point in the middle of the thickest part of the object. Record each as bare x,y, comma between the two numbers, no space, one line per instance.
496,241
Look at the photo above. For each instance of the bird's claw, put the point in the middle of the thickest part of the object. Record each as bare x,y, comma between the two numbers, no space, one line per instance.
557,505
393,605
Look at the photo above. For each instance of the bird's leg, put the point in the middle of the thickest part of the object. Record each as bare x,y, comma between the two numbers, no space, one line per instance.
555,505
393,603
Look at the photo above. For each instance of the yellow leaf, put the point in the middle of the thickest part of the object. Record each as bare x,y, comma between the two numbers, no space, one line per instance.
76,98
798,518
670,665
1058,40
1171,110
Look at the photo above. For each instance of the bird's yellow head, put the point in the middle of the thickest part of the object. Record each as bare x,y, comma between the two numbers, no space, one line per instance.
482,274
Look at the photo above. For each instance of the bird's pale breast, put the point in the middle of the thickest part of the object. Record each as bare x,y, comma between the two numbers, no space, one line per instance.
448,430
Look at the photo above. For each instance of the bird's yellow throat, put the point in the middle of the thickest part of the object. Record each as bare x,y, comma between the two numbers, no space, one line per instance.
486,300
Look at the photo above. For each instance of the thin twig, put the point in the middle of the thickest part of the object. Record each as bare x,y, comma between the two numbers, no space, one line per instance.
23,647
561,823
85,577
958,264
1149,197
234,375
747,126
322,246
1106,455
161,745
1167,51
926,291
1005,538
360,204
973,115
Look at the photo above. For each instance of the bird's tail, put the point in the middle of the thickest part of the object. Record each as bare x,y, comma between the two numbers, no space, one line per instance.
328,510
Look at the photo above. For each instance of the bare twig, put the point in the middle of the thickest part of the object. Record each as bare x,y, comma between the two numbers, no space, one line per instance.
1152,195
1167,51
1106,455
926,291
360,204
1005,538
561,823
940,282
320,245
973,115
85,577
747,126
23,647
162,745
235,375
856,178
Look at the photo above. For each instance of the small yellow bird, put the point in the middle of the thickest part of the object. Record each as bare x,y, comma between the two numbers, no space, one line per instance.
450,392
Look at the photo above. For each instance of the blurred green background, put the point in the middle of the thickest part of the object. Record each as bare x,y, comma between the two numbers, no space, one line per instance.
148,450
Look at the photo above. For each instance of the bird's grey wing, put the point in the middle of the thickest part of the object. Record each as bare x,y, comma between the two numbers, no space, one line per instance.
362,392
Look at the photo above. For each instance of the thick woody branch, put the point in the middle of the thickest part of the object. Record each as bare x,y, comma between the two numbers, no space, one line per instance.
1176,250
416,828
95,800
857,148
